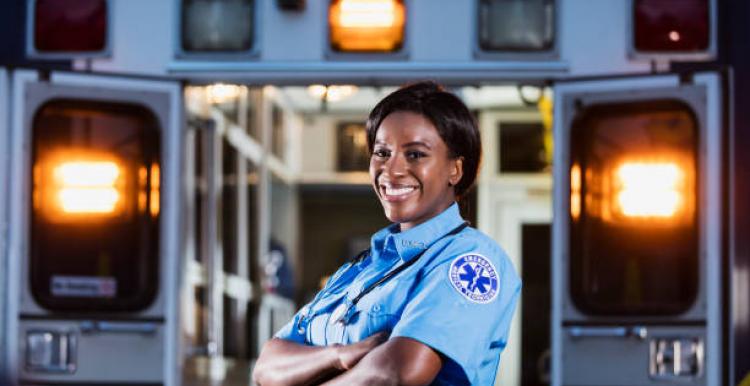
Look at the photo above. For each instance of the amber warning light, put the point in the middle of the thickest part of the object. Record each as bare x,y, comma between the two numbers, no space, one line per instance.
652,189
87,187
72,186
649,190
367,25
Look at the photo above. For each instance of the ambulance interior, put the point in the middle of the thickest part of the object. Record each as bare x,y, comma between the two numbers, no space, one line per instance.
289,165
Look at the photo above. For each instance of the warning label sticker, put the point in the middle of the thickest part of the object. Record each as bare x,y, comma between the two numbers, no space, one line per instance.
84,286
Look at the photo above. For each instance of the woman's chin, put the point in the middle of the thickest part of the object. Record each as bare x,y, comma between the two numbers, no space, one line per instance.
395,216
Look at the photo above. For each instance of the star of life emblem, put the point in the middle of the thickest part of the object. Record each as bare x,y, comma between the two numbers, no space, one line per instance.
474,277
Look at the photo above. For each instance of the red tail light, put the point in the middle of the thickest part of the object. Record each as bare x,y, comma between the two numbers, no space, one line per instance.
70,26
671,25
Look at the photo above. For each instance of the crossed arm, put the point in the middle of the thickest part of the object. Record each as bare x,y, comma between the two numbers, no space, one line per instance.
373,361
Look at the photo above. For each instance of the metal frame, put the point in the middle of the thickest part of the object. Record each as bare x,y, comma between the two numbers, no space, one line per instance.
551,54
365,73
164,98
707,55
210,248
212,57
31,52
5,121
704,98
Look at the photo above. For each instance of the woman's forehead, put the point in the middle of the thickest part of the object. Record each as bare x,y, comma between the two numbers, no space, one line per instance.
407,126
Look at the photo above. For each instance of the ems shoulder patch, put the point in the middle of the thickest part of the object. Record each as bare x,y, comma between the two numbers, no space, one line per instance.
474,277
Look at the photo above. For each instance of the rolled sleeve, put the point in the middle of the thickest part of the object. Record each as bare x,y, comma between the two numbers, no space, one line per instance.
463,330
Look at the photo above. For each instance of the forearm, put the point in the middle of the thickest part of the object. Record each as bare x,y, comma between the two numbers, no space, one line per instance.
369,372
285,363
400,361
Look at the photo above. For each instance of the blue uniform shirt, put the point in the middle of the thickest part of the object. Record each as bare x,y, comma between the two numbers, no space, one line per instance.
457,298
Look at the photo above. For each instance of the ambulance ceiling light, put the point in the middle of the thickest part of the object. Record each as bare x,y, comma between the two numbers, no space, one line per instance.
334,93
220,93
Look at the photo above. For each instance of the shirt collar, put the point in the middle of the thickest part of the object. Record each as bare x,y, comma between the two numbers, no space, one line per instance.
410,243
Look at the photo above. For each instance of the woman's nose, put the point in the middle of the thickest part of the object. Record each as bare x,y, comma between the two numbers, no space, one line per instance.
395,165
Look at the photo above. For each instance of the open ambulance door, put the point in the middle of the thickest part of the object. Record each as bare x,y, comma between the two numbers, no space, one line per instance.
637,231
94,242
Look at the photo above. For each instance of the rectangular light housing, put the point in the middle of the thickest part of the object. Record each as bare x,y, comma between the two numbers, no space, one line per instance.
68,27
366,25
218,25
671,26
516,25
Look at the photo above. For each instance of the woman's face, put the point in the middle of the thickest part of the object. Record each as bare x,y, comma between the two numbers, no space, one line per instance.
411,170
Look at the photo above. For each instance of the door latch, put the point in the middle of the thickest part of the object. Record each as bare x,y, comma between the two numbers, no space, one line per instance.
676,358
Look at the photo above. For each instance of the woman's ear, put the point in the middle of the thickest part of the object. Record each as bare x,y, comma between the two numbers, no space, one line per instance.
457,171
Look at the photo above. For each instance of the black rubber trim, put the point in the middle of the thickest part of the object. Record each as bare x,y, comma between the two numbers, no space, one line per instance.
73,317
655,323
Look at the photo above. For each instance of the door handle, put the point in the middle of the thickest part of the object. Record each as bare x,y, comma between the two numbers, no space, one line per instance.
578,332
90,327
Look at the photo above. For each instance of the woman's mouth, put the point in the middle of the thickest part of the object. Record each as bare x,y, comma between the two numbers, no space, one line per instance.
396,193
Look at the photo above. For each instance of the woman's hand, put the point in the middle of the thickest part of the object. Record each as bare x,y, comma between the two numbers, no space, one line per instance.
349,355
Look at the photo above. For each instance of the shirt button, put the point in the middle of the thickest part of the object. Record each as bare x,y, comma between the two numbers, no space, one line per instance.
376,307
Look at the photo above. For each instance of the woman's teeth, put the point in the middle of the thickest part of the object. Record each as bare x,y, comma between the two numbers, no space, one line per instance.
391,191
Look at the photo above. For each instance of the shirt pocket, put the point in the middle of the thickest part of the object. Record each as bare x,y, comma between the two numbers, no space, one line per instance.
380,310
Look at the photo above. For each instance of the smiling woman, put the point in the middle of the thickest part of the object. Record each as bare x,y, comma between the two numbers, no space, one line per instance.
412,171
430,302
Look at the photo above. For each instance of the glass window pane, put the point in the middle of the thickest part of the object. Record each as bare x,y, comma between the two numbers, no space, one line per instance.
633,214
516,25
217,25
228,223
351,143
278,266
278,132
94,241
253,102
522,147
199,193
232,346
251,180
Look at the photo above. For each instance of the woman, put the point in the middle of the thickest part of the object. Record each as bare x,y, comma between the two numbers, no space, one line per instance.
431,301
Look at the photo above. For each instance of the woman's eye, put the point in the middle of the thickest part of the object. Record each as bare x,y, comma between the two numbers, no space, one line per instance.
415,155
380,153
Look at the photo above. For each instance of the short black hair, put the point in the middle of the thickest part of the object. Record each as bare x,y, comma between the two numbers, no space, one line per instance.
450,116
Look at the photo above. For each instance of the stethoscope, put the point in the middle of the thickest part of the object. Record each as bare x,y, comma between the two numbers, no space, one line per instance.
344,312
